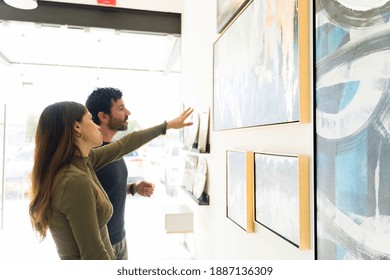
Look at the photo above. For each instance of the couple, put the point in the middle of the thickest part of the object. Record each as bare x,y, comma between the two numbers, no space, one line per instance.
67,196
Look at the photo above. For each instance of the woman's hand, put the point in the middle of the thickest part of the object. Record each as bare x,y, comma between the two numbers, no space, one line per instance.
179,122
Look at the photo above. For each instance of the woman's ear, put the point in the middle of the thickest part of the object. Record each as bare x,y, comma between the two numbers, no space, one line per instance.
77,130
77,127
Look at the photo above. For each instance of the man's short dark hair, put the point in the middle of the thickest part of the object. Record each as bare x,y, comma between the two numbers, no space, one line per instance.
100,101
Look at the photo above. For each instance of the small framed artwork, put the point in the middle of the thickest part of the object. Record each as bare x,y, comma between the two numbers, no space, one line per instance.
226,11
190,164
239,189
268,82
204,120
200,178
282,196
191,132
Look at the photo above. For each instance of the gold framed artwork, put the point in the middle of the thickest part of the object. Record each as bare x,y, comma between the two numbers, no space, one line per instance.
268,83
282,201
239,189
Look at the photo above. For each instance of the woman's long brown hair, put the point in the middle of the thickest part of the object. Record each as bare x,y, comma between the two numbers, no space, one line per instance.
54,147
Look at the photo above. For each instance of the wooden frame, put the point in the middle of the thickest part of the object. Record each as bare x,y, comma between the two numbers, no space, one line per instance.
304,203
304,61
239,189
250,89
282,201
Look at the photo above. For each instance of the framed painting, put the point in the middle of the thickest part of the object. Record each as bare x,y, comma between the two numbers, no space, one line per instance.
191,132
203,138
239,189
352,136
282,202
227,10
190,163
200,178
261,67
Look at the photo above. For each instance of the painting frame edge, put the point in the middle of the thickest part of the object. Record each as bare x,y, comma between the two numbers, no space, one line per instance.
304,61
250,187
304,202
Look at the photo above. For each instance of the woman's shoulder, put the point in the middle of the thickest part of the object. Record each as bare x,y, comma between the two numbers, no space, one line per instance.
71,179
73,191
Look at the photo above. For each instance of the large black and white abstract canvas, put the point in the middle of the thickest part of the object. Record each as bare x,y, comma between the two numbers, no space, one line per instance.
352,94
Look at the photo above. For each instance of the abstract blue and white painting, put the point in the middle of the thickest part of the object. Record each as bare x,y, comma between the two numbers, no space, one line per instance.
236,185
277,194
256,80
352,95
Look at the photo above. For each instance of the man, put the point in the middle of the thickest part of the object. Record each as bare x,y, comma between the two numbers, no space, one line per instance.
108,110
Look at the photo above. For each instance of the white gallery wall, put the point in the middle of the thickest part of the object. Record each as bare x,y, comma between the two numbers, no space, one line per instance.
216,236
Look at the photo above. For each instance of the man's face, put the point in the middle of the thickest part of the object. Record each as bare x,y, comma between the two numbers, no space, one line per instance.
119,115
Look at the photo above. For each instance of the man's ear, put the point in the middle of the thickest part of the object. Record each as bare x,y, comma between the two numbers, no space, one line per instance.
102,117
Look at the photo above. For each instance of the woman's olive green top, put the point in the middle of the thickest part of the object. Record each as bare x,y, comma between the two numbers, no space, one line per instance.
78,222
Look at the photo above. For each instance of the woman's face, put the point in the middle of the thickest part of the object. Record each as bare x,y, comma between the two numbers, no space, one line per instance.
90,131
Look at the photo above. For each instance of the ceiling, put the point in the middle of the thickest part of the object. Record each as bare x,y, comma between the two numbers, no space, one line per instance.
28,43
169,6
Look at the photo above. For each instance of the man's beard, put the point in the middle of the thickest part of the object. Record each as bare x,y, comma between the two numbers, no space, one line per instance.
117,124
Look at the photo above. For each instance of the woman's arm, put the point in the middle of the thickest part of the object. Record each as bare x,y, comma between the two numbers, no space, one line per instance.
132,141
103,155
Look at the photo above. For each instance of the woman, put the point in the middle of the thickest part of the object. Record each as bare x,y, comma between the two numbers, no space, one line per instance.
66,196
